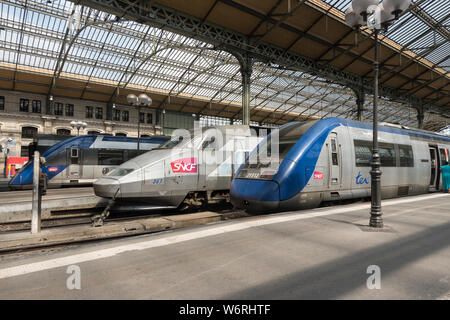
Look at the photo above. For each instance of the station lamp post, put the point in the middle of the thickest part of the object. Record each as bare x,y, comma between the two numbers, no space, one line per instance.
142,100
6,150
376,16
162,122
78,125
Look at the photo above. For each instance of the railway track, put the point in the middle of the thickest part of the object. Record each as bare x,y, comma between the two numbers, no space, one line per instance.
118,225
57,221
115,226
61,218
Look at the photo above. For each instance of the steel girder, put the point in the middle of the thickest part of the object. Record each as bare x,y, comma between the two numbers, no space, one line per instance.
170,19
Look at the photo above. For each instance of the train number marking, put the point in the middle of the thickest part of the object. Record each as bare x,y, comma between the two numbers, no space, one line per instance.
360,179
157,181
185,165
253,175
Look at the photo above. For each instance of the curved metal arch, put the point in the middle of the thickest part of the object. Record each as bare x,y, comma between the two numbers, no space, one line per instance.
193,79
265,67
325,94
338,107
60,63
303,86
294,105
22,28
116,89
199,73
145,60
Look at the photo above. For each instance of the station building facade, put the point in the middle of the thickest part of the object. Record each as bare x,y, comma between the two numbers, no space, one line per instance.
23,115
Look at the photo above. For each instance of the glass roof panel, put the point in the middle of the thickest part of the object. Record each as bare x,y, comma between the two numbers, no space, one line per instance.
101,47
411,29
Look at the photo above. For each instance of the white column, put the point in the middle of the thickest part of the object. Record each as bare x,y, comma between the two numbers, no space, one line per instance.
35,207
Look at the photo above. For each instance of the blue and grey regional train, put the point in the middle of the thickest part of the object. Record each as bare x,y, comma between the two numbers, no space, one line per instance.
83,159
330,159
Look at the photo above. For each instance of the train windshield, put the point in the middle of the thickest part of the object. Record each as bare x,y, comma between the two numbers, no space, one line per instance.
264,163
189,139
172,143
120,172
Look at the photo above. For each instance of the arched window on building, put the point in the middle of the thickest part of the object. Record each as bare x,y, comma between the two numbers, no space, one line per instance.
121,134
93,132
63,132
29,132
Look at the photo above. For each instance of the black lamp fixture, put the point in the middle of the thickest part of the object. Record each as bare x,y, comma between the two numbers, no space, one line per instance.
142,100
376,16
78,125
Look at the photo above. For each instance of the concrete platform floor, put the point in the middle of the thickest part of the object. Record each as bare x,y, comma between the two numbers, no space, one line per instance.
323,253
4,184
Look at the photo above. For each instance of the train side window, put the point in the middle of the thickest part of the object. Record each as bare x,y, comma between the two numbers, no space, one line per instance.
74,153
442,156
405,155
57,159
363,153
387,155
74,156
334,157
132,154
90,157
110,157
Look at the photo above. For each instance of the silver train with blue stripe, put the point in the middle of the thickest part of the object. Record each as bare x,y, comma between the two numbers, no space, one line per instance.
190,170
83,159
329,159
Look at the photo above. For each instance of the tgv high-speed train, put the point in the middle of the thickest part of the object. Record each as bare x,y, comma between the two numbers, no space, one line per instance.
81,160
329,159
189,171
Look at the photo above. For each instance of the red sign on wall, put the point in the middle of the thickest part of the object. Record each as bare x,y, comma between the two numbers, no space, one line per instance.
13,163
185,165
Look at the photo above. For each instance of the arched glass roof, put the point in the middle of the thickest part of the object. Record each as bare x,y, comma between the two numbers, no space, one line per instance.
65,40
422,30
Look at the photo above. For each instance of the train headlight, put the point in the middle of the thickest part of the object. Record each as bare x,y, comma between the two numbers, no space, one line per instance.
268,174
120,172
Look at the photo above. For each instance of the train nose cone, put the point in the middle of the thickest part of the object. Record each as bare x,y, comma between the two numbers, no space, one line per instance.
107,187
255,196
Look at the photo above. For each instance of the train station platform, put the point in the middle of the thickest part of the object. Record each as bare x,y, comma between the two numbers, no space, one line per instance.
15,206
4,184
324,253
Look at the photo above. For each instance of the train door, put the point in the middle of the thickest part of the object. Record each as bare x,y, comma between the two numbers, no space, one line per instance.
335,160
74,161
208,178
443,156
434,161
442,161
